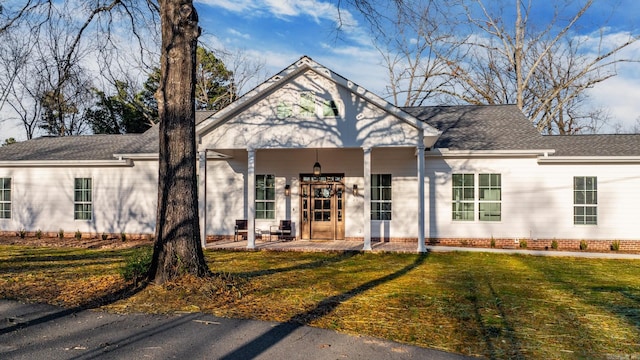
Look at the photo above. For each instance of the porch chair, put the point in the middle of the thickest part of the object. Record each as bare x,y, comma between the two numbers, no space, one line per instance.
280,231
241,230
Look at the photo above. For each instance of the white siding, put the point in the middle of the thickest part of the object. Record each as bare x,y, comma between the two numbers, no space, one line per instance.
124,199
537,200
360,124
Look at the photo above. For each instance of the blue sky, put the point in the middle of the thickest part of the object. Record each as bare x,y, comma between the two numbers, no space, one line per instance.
280,31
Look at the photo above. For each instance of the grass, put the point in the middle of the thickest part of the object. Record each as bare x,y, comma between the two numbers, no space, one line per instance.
496,306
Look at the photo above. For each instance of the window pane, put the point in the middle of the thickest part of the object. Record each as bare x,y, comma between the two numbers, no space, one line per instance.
490,211
585,197
381,196
329,108
386,194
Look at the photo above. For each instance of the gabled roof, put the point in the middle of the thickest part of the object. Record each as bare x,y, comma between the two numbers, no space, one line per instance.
303,64
481,127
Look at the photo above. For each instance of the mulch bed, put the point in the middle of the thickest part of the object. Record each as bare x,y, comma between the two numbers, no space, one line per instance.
83,243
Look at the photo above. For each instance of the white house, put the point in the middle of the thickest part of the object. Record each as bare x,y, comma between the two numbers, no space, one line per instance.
477,175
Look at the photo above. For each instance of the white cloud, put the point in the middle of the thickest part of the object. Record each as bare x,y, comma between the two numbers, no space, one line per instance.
237,33
318,10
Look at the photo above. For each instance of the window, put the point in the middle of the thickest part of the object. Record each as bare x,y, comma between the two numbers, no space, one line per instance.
307,104
5,198
488,200
82,199
265,197
585,200
284,110
381,197
330,109
463,197
489,197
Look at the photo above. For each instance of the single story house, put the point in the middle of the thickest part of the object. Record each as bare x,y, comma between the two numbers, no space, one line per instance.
340,163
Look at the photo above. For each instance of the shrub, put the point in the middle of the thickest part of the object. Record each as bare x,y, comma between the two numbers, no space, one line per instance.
493,242
78,235
615,245
583,245
137,264
60,233
39,234
22,233
123,237
554,245
523,244
104,236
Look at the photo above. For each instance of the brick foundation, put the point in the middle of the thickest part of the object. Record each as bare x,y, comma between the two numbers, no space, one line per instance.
533,244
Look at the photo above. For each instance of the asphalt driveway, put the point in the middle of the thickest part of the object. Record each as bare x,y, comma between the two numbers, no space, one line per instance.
36,331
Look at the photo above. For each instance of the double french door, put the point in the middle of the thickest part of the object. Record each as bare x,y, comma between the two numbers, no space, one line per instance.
322,207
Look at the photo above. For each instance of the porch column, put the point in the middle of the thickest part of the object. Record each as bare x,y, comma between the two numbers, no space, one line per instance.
367,199
202,195
421,229
251,199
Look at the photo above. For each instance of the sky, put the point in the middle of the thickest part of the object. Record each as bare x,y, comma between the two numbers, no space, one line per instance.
279,32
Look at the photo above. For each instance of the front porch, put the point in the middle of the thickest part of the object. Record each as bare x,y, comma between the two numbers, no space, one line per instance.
312,245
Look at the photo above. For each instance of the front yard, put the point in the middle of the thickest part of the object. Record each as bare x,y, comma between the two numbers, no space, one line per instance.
496,306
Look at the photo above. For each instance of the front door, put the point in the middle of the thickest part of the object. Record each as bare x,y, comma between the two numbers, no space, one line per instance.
322,205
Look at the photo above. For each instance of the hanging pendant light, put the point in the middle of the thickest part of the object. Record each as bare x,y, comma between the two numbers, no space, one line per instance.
316,167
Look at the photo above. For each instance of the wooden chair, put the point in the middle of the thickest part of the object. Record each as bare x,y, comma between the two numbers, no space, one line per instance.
241,230
280,231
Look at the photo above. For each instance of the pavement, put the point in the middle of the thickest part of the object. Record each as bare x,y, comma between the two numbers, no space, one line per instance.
37,331
403,247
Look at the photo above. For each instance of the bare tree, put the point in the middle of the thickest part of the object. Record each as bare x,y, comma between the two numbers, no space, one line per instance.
177,248
416,51
467,51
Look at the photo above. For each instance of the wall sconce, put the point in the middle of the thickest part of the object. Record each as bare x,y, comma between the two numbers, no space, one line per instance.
287,190
355,190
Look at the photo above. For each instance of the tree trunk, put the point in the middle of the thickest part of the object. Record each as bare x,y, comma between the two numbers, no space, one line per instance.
177,250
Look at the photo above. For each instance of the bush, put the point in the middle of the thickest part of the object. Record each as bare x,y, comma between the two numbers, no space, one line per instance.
493,242
39,234
523,244
583,245
78,235
554,245
123,237
60,233
137,264
104,236
615,245
22,233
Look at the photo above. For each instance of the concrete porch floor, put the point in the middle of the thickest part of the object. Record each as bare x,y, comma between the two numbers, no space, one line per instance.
313,245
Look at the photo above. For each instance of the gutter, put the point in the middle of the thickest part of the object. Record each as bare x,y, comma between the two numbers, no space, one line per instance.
67,163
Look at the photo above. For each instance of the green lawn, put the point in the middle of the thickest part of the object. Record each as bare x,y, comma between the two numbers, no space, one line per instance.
497,306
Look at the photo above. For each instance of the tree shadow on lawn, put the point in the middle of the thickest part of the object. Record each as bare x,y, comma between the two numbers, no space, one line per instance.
342,255
323,308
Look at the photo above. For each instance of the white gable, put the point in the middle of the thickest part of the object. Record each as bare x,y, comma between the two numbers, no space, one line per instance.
297,109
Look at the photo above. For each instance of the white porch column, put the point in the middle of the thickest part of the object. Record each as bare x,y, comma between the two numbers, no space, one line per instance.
421,226
367,199
202,195
251,199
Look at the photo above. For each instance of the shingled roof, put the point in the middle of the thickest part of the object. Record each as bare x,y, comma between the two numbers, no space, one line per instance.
87,147
466,127
594,145
480,127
